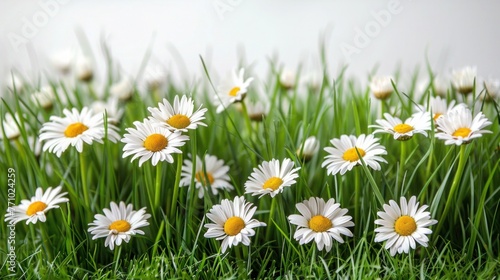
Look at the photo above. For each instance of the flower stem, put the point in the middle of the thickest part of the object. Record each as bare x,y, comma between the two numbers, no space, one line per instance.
157,186
173,204
456,180
402,158
83,174
270,221
247,119
357,196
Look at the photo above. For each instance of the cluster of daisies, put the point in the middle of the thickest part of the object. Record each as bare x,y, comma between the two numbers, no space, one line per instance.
162,134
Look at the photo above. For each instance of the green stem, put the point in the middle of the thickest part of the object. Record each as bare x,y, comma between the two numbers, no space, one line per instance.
83,173
173,204
270,221
157,186
402,158
247,119
456,180
357,195
116,258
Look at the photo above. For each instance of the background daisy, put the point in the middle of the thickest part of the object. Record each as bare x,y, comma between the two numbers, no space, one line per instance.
75,129
34,210
232,91
271,177
148,141
320,221
402,225
233,222
216,175
118,224
343,155
180,116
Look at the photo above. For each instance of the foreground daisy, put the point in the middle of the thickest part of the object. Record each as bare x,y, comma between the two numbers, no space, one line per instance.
75,129
418,123
402,225
180,116
34,210
458,127
148,141
381,87
232,91
215,176
233,222
463,79
118,224
271,177
320,221
343,156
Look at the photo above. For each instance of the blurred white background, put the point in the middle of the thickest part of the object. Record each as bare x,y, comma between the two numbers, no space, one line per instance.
360,34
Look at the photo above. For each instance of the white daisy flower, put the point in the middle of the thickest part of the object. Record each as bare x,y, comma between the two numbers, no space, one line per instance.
155,77
75,129
44,98
458,127
233,222
343,156
216,175
112,108
63,60
34,210
439,106
13,81
10,127
402,225
257,110
180,116
83,69
320,221
381,87
463,79
288,78
308,149
118,224
122,89
232,91
492,90
418,123
148,141
271,177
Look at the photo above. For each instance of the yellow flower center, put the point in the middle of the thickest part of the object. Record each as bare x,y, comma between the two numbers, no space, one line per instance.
272,183
155,142
120,226
200,177
35,207
320,223
75,129
351,155
234,91
436,116
462,132
179,121
234,225
403,128
405,225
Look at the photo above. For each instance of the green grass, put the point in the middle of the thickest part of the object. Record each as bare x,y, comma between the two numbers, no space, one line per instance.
465,246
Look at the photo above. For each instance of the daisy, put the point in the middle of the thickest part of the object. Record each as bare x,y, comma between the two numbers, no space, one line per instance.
63,60
233,222
257,110
271,177
463,79
457,127
492,90
320,221
44,98
308,149
155,77
123,89
233,91
210,172
381,87
75,129
83,69
288,78
148,141
111,107
34,210
14,82
118,224
10,127
439,107
418,123
343,156
180,116
402,225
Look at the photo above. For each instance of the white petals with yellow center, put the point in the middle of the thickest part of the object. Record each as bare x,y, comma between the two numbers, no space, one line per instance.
151,142
118,224
418,123
346,151
210,172
321,222
401,225
180,116
231,91
458,127
75,129
271,177
233,222
34,210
